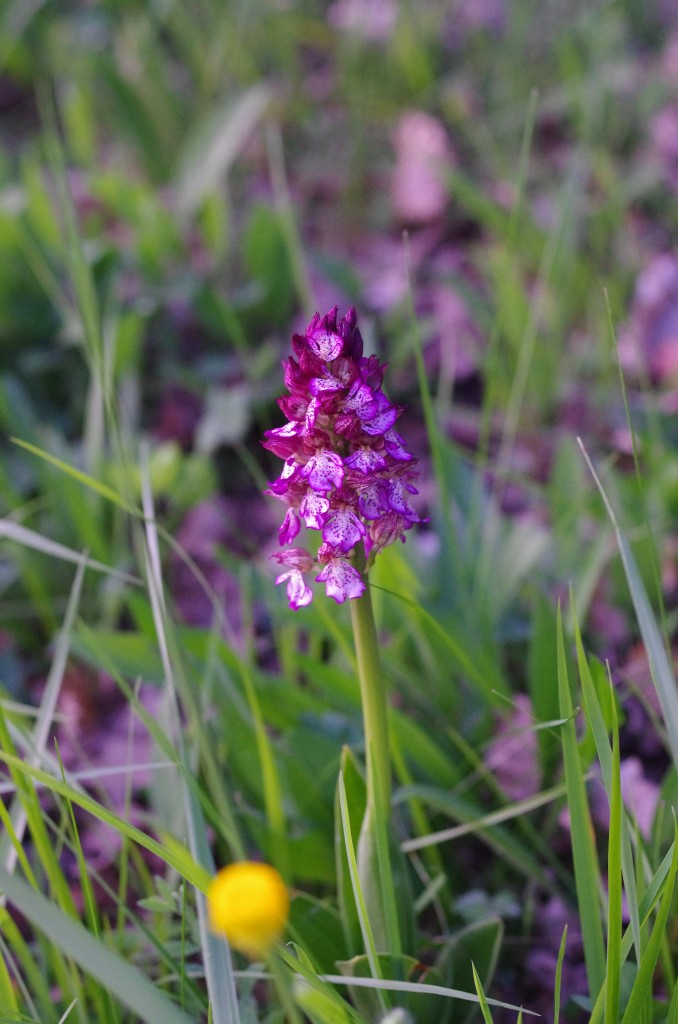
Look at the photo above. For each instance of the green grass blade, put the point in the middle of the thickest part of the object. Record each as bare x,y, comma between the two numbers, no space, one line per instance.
178,858
365,926
641,993
418,988
596,721
29,538
587,878
614,885
482,999
125,982
660,668
559,977
480,824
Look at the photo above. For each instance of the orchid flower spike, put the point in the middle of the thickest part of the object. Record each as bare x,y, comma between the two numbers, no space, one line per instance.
347,472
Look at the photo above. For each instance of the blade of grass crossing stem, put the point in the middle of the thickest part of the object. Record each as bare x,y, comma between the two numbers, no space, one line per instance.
365,926
596,721
216,953
661,671
641,993
614,886
125,982
587,879
482,999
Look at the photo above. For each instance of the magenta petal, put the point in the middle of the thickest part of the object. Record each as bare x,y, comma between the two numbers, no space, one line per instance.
294,558
324,385
284,441
372,500
397,498
290,527
311,415
324,470
325,345
362,400
366,461
395,446
343,530
314,508
341,580
298,592
382,422
281,485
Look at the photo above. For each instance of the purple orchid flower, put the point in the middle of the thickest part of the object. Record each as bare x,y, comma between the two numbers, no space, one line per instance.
347,471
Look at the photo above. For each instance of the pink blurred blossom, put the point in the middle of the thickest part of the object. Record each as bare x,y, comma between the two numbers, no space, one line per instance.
512,756
663,148
371,20
650,338
423,156
640,795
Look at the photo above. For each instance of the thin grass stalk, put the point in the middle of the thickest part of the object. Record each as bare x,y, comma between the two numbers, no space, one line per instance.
559,977
614,886
587,877
358,895
641,993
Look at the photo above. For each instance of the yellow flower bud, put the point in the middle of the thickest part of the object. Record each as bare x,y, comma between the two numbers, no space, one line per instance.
249,904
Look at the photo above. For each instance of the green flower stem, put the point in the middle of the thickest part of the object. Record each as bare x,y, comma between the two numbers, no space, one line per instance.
375,854
374,703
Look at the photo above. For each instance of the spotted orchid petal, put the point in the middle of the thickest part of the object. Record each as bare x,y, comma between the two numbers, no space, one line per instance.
397,497
366,460
341,580
324,470
343,530
326,345
314,508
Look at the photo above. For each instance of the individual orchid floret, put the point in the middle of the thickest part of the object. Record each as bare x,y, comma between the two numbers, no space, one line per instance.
299,562
341,580
347,471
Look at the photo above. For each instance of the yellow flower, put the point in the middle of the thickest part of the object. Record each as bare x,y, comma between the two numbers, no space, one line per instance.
249,904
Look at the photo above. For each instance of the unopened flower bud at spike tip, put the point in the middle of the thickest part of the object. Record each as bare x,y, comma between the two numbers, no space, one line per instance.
347,471
248,903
